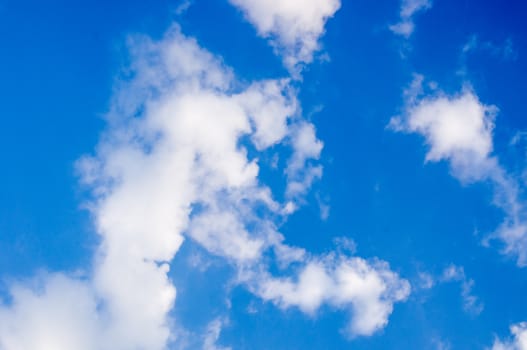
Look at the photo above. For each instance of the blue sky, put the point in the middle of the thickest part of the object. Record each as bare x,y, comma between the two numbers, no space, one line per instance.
257,174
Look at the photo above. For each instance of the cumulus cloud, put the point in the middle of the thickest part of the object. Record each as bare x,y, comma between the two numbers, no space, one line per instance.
459,129
172,146
409,8
367,290
59,314
518,341
174,164
293,27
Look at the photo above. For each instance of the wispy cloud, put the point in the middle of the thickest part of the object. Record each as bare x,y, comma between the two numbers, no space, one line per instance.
504,50
183,6
454,274
471,303
213,334
409,8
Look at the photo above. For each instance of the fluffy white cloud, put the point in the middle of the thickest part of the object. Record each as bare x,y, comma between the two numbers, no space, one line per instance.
465,129
173,164
179,167
294,27
59,314
459,129
170,163
269,104
367,290
405,27
518,342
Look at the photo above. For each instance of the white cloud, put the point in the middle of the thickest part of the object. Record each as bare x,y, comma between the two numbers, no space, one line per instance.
345,245
173,164
306,147
269,103
450,274
60,314
426,280
409,8
293,27
213,334
518,341
453,273
223,234
459,129
173,145
471,303
183,6
367,290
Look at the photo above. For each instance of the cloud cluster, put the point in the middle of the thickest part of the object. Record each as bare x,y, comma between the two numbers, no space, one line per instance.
174,164
293,27
409,8
518,342
459,129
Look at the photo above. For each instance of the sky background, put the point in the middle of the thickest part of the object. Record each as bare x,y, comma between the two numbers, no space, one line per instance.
63,63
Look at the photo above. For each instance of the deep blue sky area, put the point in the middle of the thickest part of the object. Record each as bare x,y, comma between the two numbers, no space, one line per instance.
59,61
